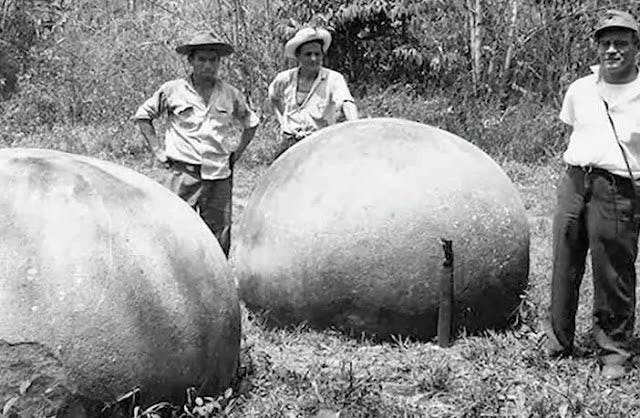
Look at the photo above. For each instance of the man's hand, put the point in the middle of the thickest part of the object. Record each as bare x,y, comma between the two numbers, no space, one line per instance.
232,160
149,133
245,138
161,156
350,110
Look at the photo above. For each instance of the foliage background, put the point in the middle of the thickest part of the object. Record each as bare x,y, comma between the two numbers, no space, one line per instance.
72,74
491,71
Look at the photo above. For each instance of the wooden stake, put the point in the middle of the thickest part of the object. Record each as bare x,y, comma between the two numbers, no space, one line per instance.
445,311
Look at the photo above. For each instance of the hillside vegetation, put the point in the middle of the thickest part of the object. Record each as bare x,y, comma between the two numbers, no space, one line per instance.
73,72
491,71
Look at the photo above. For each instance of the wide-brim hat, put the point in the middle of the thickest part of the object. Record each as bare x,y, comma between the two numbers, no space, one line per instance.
307,35
616,19
205,41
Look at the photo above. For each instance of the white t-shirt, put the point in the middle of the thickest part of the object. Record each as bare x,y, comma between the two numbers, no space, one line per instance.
592,141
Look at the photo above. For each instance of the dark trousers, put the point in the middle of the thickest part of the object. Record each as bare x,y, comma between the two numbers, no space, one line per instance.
210,198
595,212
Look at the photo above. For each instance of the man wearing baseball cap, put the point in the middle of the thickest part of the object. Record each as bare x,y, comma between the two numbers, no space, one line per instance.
201,110
597,202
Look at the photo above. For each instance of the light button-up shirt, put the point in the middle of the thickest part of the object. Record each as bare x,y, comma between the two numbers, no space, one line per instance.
318,110
198,132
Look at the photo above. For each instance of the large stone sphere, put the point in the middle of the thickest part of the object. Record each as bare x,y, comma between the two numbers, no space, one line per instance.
113,279
344,231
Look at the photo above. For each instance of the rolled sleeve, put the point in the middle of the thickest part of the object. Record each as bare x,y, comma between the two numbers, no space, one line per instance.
152,107
341,91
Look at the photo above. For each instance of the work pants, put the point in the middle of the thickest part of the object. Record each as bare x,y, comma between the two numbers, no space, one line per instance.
595,211
210,198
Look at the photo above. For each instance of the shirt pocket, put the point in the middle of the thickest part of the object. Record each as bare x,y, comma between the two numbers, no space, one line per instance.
318,108
185,115
221,114
627,128
631,116
633,142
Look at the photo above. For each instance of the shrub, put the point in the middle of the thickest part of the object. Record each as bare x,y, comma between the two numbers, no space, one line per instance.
527,131
91,63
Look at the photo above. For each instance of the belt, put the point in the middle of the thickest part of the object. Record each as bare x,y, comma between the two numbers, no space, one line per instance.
295,137
182,166
616,180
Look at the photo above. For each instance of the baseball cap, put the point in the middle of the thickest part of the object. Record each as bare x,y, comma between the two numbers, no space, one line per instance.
616,19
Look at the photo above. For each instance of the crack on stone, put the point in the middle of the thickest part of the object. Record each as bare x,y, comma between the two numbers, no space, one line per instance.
40,382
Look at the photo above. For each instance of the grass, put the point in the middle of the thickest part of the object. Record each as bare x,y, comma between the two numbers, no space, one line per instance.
298,372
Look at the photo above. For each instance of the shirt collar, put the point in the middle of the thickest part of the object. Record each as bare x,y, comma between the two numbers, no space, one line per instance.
322,73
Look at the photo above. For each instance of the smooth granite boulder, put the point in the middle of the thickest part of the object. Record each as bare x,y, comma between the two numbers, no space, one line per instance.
344,231
109,282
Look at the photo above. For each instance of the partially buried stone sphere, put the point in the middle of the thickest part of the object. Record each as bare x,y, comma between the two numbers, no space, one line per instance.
344,231
108,282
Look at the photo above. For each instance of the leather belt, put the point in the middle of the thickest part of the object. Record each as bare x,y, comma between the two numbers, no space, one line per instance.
618,181
182,166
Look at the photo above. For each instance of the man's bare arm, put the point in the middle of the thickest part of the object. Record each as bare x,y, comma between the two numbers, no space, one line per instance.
153,142
350,110
245,139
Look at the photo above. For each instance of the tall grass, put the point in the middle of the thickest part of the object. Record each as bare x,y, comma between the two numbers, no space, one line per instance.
529,132
99,60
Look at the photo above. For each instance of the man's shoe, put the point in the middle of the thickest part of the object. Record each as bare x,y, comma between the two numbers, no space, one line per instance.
550,345
613,371
552,352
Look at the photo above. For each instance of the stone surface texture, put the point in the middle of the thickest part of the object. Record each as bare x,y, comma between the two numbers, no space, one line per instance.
344,231
113,278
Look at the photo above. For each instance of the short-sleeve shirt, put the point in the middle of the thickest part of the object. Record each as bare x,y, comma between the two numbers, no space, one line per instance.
320,107
592,141
198,132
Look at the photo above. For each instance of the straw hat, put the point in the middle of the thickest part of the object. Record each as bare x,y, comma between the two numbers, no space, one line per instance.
307,35
205,40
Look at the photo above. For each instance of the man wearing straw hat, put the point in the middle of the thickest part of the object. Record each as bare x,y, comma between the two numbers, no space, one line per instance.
201,110
308,97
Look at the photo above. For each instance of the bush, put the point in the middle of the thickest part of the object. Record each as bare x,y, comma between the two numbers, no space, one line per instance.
528,131
96,61
103,141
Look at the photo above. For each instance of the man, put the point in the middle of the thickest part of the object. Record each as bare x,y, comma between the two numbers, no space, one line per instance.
307,98
201,111
597,206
